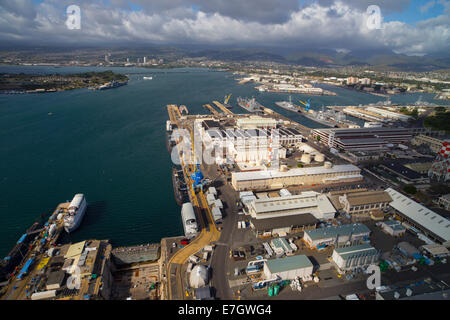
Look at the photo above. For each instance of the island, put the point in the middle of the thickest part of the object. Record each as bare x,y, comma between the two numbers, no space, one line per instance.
38,83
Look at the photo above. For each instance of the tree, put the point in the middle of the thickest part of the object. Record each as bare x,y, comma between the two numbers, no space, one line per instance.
410,189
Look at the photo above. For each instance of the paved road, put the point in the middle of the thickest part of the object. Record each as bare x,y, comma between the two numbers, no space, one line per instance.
220,260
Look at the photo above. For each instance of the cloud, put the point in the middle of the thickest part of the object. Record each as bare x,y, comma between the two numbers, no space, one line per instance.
319,24
428,6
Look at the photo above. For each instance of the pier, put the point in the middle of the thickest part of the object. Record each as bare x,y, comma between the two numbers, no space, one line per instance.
210,108
223,108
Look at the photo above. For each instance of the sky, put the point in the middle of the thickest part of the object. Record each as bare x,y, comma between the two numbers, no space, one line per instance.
411,27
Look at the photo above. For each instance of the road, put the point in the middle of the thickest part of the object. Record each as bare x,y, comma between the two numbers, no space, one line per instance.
208,234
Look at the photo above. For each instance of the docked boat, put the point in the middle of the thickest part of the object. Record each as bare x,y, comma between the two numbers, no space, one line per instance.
76,211
288,105
251,105
179,186
189,221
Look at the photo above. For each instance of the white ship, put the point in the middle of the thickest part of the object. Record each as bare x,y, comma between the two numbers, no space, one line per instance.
148,78
189,220
77,209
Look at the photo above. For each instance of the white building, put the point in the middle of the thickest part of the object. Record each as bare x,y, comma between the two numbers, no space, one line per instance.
256,122
389,114
307,202
352,257
274,179
393,228
288,268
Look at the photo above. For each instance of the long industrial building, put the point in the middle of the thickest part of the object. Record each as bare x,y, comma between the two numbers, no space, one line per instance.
307,202
362,139
361,205
274,179
430,223
336,235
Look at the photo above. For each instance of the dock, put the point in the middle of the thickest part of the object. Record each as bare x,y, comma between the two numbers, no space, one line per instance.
305,130
211,109
223,108
174,113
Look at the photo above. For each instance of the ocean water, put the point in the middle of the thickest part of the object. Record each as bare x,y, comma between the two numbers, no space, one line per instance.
110,145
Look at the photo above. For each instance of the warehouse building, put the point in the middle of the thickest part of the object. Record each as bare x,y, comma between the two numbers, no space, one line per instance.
343,234
430,223
436,250
270,227
352,257
405,174
280,246
307,202
274,179
360,205
393,228
435,144
288,268
362,139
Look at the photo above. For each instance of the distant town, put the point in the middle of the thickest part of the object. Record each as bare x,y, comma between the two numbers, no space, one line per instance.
271,76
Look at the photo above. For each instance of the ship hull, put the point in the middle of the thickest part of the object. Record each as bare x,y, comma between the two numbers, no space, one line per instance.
77,220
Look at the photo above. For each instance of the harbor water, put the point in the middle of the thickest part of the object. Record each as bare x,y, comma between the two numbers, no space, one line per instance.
110,145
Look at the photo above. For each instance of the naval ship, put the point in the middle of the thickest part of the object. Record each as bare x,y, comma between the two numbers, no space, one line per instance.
251,105
288,105
77,209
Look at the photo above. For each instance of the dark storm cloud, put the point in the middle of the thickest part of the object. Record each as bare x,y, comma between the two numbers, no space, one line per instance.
262,11
386,6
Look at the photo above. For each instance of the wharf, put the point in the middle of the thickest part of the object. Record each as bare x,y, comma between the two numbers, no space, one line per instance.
304,129
210,108
223,108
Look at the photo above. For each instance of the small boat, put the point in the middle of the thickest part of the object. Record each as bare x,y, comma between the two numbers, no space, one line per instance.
148,78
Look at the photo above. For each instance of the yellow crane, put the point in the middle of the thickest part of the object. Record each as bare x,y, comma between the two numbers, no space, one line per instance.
227,98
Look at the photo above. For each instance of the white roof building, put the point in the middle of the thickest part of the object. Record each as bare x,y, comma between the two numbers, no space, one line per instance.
431,223
307,202
273,179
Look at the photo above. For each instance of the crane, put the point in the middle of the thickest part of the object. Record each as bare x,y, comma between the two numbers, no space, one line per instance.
226,99
307,104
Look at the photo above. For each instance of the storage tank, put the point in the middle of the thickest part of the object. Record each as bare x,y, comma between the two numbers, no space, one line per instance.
306,158
198,277
319,157
59,217
328,165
